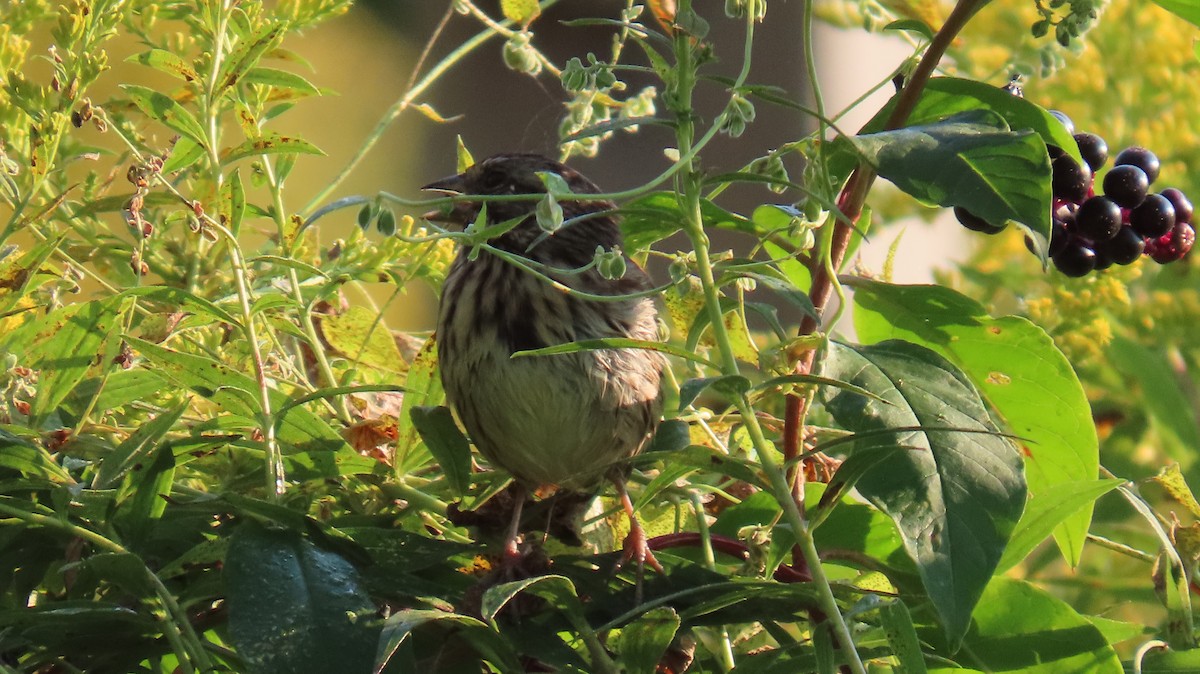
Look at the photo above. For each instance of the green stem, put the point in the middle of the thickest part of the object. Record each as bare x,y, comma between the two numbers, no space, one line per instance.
306,322
403,104
688,189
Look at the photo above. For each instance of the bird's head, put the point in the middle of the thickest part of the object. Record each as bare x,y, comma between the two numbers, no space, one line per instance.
517,174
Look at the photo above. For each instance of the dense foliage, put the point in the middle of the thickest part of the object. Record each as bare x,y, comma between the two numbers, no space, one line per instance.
216,456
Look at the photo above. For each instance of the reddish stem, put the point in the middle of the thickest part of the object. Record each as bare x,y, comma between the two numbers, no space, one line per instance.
728,546
850,203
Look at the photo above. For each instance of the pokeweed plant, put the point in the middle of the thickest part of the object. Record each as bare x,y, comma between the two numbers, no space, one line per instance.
214,460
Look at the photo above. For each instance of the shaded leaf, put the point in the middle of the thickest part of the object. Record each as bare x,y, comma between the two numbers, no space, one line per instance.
294,607
645,640
447,444
972,160
955,499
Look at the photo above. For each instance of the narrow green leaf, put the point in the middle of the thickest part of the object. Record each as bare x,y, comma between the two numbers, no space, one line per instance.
232,202
558,589
137,447
447,443
656,216
269,143
248,52
902,636
151,487
281,79
184,301
912,26
490,644
726,384
18,273
123,569
30,460
294,607
166,62
1018,370
184,154
164,109
955,499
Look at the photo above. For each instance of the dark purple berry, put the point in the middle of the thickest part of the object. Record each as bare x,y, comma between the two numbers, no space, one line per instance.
1075,259
1155,217
1103,260
975,223
1141,158
1066,121
1098,219
1071,181
1183,207
1093,149
1173,245
1123,248
1059,237
1127,185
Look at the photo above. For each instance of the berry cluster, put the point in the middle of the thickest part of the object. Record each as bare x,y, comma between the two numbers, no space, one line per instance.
1091,232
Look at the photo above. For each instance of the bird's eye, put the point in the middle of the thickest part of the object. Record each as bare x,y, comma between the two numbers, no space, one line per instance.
491,181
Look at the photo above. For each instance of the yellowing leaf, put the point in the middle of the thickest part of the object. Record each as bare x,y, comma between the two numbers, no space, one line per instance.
465,160
269,144
520,11
356,335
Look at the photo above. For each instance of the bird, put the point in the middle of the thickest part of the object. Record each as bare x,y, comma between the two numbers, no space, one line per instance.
574,420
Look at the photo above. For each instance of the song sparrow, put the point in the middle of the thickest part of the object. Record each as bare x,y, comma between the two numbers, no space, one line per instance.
569,420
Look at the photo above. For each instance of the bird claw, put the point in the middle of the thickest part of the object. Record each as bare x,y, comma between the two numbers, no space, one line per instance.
636,548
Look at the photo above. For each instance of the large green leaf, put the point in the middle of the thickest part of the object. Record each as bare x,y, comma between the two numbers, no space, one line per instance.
1018,370
1188,10
294,607
946,96
971,159
1021,628
956,490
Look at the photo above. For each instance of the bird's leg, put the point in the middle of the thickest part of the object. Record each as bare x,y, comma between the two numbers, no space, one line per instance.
512,547
635,546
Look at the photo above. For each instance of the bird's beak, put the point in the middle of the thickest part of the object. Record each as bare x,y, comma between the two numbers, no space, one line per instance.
448,186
